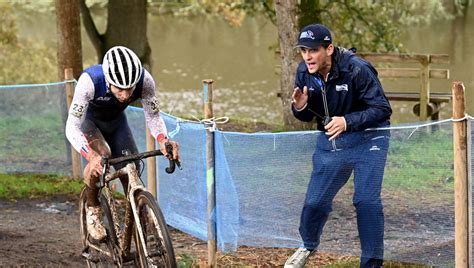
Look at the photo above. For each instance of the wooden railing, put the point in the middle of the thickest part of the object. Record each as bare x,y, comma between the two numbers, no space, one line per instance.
428,103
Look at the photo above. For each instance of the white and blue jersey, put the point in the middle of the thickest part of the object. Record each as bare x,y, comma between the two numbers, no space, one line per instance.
94,101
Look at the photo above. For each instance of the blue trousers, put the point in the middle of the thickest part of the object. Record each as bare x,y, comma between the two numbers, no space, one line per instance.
365,154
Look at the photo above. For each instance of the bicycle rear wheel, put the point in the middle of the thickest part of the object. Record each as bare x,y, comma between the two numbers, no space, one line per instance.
155,232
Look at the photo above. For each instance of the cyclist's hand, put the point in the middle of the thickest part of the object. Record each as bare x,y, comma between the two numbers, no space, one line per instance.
299,98
175,149
95,165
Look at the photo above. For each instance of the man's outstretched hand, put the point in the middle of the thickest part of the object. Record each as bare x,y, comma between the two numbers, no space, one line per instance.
299,98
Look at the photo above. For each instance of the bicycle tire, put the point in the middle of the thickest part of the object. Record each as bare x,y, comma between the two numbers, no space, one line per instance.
95,258
157,238
110,228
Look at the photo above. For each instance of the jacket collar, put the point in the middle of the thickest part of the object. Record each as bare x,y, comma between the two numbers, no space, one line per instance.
335,65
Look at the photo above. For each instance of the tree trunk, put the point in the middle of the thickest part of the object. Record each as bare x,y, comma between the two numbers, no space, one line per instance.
68,21
309,12
287,23
69,37
126,26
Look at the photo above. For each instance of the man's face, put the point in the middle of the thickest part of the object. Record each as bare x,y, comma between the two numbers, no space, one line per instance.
122,94
317,59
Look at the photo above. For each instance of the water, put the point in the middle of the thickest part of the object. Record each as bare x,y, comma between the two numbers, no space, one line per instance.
187,50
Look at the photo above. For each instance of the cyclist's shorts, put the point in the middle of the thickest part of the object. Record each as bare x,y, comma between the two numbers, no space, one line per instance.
109,138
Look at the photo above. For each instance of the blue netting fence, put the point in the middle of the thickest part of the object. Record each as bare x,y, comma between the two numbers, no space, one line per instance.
261,179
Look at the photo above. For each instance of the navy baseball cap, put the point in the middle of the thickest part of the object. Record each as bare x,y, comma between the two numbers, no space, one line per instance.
313,35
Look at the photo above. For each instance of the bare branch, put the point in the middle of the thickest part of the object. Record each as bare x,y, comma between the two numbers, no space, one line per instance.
94,35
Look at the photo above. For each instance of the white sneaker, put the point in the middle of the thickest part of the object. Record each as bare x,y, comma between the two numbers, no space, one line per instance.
95,225
298,259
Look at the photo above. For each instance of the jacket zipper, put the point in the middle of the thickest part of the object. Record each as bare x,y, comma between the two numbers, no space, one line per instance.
326,109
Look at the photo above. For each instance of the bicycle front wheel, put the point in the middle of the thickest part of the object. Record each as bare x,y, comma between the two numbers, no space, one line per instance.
157,241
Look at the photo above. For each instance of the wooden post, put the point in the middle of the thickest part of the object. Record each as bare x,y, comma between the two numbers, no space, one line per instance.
75,156
151,164
210,178
425,87
461,179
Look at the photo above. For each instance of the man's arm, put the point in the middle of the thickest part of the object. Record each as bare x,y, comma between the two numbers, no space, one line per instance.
153,119
300,91
84,92
151,109
370,92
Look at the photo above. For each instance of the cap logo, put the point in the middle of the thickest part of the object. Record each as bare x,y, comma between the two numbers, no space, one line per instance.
327,38
308,34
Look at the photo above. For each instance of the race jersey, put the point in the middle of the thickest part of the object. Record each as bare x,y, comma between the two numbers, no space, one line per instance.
93,99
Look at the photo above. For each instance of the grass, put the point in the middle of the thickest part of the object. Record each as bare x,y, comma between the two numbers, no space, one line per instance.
421,164
354,262
16,186
31,136
187,261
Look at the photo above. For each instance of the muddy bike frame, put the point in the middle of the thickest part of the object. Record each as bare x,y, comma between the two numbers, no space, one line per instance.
131,214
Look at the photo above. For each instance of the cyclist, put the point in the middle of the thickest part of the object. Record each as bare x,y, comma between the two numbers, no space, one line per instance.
97,125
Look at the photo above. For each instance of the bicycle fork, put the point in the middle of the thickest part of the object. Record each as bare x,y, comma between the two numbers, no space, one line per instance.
134,186
128,230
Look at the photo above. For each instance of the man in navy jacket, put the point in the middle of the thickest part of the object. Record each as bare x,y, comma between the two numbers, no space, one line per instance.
343,93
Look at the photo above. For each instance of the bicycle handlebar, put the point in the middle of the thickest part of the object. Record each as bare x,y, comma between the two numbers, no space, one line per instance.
138,156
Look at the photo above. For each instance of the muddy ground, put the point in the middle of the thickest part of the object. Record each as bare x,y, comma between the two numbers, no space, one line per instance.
45,232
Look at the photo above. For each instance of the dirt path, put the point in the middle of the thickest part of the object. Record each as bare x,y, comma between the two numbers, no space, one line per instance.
30,235
45,232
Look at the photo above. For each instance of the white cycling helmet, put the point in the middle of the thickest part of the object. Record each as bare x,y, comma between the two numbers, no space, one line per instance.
122,68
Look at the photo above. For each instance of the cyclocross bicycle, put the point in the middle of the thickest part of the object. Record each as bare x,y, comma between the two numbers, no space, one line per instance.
137,217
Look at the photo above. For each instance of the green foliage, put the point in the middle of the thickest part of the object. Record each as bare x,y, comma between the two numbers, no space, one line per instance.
14,186
186,260
23,61
366,25
27,62
424,12
7,25
30,6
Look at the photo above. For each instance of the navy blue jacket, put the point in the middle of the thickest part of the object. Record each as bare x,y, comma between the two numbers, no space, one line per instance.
353,91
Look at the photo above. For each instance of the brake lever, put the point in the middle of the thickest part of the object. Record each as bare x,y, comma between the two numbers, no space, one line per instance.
172,163
178,164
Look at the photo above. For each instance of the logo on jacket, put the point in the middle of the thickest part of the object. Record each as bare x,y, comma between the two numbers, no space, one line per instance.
342,87
374,148
307,34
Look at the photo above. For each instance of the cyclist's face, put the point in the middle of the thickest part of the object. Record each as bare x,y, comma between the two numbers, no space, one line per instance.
122,94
